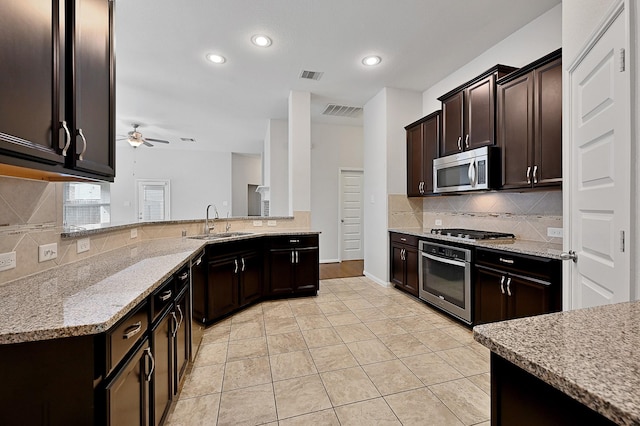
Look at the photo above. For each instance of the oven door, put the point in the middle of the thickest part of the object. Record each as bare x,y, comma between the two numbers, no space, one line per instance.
446,283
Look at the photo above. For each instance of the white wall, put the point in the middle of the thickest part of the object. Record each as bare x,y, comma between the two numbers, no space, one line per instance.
299,151
332,147
541,36
279,163
580,18
197,178
246,169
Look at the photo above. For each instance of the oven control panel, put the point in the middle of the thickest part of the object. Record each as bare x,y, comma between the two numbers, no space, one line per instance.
447,252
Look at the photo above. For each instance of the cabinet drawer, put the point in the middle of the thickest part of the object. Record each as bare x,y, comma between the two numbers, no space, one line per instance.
161,298
410,240
124,335
293,241
532,266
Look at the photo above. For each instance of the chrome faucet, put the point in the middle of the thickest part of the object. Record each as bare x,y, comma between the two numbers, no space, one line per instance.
207,229
228,224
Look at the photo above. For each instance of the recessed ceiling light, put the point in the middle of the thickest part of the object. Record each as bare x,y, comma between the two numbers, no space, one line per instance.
216,59
261,40
371,60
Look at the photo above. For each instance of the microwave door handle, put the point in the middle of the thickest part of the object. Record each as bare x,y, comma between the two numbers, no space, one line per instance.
443,260
472,173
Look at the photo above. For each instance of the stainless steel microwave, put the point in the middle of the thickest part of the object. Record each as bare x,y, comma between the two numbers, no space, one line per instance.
476,169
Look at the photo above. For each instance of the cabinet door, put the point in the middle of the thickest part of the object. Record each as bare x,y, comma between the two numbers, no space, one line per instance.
306,269
490,303
411,264
199,283
127,396
30,80
415,157
452,127
162,374
430,141
251,283
281,271
92,83
223,286
548,124
527,297
181,340
397,265
515,130
479,116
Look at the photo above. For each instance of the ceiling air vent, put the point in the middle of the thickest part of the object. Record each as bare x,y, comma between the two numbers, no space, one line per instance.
311,75
342,110
187,139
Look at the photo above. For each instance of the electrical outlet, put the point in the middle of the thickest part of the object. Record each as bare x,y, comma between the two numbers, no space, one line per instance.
272,223
438,222
82,245
7,261
257,223
47,252
554,232
134,233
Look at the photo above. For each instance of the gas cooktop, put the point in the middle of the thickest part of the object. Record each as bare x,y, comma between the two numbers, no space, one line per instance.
472,234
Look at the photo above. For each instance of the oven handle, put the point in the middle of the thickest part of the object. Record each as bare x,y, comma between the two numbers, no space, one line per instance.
443,260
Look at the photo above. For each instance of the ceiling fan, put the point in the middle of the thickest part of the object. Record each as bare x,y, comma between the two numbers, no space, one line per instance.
136,139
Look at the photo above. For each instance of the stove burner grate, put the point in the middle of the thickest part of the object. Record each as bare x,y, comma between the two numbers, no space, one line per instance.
471,234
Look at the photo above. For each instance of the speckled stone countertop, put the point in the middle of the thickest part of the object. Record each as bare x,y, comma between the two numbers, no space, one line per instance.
535,248
89,296
592,355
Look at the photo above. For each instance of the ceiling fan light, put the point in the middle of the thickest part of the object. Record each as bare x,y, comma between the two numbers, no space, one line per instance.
134,142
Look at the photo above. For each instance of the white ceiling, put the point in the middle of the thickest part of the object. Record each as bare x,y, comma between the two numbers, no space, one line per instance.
165,83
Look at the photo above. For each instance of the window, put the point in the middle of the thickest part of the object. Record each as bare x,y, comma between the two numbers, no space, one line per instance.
86,204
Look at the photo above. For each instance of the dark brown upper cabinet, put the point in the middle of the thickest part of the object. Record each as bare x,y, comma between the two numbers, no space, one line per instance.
423,137
57,85
469,111
530,124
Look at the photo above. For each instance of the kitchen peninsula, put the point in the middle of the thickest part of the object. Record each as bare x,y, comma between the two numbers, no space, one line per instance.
575,367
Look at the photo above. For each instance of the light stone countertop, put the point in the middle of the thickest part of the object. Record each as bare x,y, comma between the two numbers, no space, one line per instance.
534,248
592,354
90,296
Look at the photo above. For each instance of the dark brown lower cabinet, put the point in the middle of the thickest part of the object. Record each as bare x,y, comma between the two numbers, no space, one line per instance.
223,296
181,340
162,340
404,262
518,397
292,265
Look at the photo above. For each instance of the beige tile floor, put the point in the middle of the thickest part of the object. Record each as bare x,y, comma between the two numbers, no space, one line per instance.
357,354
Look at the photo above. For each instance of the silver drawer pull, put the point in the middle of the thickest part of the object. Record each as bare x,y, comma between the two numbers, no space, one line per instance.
132,330
294,241
509,261
166,295
183,276
403,239
199,261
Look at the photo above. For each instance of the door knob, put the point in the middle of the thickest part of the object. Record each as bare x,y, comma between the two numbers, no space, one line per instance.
571,255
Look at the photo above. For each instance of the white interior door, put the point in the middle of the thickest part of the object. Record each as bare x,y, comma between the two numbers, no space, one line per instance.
351,223
599,184
154,200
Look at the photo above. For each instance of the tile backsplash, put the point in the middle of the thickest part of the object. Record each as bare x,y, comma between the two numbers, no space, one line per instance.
526,214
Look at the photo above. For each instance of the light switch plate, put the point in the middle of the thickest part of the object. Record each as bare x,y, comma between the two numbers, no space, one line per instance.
257,223
272,223
554,232
83,244
47,252
134,233
438,222
7,261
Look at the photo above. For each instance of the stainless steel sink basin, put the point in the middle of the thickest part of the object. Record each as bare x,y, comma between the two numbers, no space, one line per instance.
221,235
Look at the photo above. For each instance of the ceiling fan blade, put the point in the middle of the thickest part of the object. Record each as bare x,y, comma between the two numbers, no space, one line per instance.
122,139
147,143
157,140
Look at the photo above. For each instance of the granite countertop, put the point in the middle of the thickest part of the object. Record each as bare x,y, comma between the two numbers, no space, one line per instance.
535,248
592,354
89,296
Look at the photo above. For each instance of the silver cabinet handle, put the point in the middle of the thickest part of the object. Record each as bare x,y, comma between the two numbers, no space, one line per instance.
404,254
422,187
535,174
183,276
292,258
242,264
174,327
297,256
459,143
571,255
509,286
503,260
199,261
84,141
502,284
466,141
529,175
166,295
131,331
153,364
235,261
68,134
181,317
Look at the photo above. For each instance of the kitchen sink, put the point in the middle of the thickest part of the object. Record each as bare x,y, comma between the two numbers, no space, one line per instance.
221,235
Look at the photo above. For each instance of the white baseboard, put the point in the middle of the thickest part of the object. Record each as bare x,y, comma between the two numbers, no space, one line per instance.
329,260
377,280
